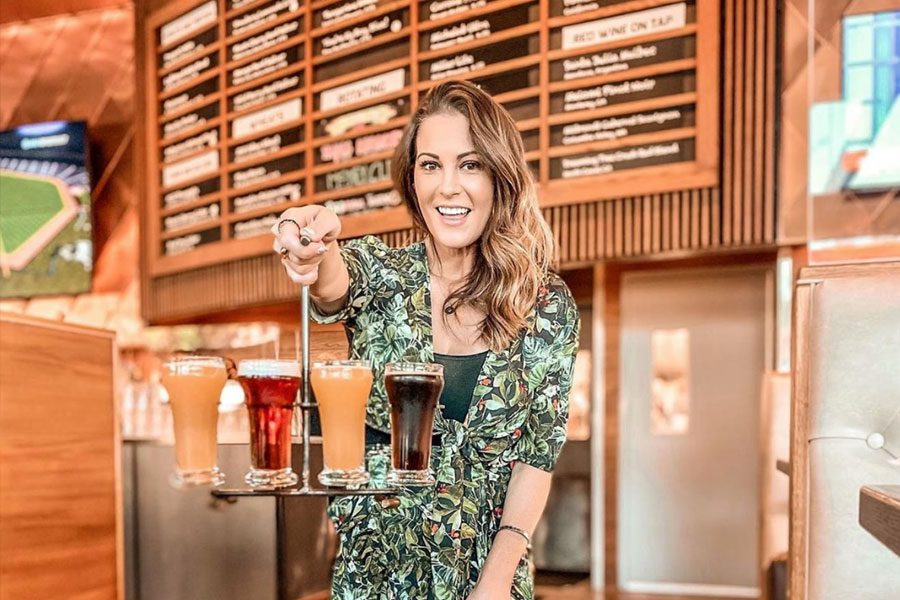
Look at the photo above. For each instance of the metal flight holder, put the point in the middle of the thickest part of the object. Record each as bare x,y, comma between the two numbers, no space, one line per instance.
385,495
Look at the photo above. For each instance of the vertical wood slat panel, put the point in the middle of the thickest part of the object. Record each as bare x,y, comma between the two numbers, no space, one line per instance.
656,226
627,226
749,145
759,115
728,142
734,229
771,115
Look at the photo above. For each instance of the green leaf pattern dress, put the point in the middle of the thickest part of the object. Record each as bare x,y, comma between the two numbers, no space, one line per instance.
434,544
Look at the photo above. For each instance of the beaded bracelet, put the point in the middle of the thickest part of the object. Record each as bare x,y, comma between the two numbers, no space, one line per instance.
521,532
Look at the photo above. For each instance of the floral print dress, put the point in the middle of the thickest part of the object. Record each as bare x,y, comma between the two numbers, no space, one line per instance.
435,543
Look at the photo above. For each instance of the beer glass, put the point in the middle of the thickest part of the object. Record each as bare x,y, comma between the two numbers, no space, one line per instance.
413,390
271,390
194,384
342,388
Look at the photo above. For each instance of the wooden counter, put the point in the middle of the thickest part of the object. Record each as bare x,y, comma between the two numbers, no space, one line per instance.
879,513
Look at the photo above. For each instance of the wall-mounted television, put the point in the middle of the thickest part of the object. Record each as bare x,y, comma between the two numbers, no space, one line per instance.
45,210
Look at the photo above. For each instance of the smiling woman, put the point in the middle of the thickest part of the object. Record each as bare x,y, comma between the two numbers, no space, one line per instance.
506,337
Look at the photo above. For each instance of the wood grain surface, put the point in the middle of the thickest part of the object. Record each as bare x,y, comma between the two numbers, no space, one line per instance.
59,490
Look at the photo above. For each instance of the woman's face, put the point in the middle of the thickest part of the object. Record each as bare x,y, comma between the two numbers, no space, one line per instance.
453,186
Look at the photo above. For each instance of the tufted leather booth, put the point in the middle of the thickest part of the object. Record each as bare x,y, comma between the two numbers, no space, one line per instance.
845,429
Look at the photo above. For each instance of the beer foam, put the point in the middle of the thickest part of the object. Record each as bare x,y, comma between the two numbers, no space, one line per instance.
187,364
269,368
414,368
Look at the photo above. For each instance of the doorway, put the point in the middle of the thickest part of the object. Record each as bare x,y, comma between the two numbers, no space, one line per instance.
693,350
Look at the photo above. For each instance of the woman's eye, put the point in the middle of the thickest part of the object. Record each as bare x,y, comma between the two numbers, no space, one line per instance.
472,165
428,165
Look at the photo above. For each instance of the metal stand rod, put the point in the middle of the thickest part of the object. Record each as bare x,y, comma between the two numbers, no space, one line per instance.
304,386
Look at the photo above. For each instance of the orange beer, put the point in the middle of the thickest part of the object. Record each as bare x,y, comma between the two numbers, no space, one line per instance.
194,385
342,389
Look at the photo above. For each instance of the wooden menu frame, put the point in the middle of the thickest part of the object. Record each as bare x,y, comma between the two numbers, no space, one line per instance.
541,33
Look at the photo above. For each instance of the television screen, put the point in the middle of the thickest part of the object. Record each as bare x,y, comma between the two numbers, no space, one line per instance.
855,141
45,218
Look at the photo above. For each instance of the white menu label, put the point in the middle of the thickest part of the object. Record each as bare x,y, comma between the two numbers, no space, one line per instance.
188,23
625,26
366,89
191,168
267,118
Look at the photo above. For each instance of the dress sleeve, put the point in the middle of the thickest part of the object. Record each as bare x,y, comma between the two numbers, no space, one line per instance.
365,258
550,379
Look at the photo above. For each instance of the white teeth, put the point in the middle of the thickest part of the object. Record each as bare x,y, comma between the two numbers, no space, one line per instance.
453,211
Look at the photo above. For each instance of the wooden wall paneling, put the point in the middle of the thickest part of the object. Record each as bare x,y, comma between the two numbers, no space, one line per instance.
804,294
738,124
749,54
705,216
646,234
609,232
676,221
544,83
716,216
14,12
772,112
709,137
29,52
628,226
695,219
218,50
728,132
759,75
611,283
56,67
60,494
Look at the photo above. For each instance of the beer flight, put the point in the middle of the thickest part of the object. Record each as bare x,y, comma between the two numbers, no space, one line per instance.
341,389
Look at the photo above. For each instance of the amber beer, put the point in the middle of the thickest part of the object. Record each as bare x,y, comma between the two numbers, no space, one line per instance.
271,389
342,388
194,385
413,390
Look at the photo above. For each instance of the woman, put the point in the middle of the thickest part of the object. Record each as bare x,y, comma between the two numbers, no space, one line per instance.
477,296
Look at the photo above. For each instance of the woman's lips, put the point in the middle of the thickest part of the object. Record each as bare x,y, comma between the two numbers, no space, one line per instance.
453,220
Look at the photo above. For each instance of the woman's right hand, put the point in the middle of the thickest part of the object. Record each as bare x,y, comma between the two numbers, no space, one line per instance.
316,222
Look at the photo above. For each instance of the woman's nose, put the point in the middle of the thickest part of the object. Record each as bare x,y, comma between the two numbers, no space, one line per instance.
450,184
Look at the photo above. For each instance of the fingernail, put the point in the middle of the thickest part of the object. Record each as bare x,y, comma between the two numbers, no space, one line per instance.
322,250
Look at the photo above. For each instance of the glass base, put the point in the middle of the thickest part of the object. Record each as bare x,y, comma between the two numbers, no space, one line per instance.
410,478
257,478
185,479
348,479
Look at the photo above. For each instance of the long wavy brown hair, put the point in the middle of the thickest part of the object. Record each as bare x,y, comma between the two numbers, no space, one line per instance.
515,251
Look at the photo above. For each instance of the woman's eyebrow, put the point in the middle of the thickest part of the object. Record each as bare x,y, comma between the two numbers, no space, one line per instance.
436,157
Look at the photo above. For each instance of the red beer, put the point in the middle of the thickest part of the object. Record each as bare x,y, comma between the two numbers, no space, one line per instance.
271,388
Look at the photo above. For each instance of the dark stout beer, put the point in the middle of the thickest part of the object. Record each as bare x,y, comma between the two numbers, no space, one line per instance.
413,390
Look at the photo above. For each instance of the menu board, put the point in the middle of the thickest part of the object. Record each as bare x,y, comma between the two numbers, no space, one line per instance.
260,105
